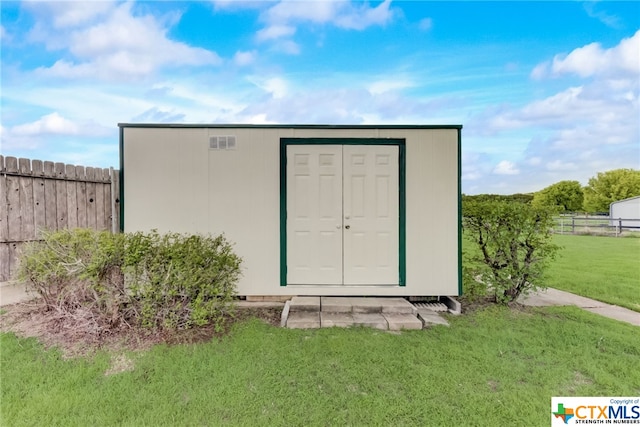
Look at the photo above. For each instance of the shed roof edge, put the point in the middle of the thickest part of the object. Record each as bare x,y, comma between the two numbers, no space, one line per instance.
282,126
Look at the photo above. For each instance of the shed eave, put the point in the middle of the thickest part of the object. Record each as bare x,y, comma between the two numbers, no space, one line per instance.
284,126
624,200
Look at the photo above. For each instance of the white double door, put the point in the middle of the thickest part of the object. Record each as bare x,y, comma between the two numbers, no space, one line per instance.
342,215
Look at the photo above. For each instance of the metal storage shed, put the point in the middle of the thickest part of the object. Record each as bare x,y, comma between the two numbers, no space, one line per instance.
626,213
312,209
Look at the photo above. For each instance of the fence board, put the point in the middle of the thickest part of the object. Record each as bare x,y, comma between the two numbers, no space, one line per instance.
5,264
82,197
4,213
72,197
99,206
27,217
106,208
91,198
61,196
13,201
14,250
38,196
50,211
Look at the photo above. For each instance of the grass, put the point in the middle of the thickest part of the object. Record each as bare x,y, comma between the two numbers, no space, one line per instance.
603,268
478,371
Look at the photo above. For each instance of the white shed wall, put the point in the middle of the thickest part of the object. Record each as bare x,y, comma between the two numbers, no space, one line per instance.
173,182
626,209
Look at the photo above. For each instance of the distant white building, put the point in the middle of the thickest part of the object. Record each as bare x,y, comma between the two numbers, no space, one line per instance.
627,209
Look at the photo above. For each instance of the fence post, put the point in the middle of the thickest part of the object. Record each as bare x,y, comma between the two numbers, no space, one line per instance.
619,227
573,225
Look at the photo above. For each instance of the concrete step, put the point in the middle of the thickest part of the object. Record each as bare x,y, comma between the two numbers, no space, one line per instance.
374,312
366,305
430,317
303,320
399,321
306,304
345,320
382,321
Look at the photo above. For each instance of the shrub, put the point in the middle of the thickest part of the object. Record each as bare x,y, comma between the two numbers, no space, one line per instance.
178,281
172,281
77,271
514,246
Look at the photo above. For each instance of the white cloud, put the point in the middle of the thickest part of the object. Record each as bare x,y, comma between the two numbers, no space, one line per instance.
559,165
540,71
592,60
386,85
275,86
56,124
506,167
243,58
362,17
281,19
66,14
156,115
122,46
50,129
52,123
425,24
295,10
609,20
287,46
239,4
275,32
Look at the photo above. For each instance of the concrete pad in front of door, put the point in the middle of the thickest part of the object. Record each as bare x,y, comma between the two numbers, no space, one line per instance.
399,321
366,305
340,320
370,320
345,320
303,320
336,304
430,317
306,304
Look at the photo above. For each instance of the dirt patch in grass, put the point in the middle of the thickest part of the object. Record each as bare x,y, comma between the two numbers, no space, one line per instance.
75,336
476,304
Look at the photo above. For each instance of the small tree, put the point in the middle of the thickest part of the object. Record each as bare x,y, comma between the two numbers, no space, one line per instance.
611,186
515,247
566,196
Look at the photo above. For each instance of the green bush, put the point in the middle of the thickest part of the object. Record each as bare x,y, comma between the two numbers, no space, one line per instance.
514,246
178,281
77,270
172,281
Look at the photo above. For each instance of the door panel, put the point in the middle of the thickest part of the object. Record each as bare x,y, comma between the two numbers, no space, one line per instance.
371,215
342,215
314,214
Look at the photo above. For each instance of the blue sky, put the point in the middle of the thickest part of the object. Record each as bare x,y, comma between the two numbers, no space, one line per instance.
546,91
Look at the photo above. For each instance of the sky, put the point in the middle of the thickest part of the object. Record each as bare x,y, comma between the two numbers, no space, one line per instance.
545,91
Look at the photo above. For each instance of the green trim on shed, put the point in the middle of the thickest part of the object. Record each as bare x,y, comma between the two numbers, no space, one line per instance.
460,211
299,126
121,195
402,231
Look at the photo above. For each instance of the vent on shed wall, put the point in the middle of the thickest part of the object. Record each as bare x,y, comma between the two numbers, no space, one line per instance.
222,142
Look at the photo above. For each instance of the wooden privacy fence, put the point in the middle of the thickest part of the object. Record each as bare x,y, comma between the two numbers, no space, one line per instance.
38,195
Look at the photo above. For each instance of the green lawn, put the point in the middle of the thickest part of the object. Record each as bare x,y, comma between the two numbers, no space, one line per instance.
603,268
493,367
